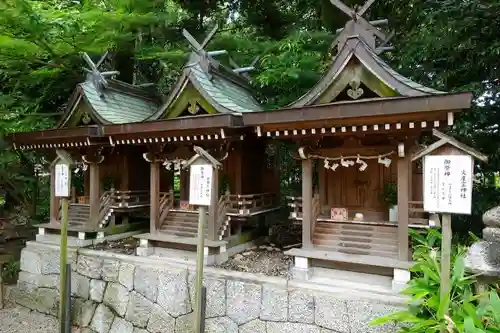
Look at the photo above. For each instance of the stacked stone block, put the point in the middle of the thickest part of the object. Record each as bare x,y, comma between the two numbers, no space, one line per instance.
117,295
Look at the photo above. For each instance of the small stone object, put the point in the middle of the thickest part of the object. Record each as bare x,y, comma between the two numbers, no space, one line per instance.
492,217
491,235
248,253
238,257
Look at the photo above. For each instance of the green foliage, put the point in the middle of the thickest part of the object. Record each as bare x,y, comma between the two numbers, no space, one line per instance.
390,194
464,311
11,271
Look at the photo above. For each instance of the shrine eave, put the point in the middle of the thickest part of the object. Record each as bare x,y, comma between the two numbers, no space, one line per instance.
55,138
192,123
363,109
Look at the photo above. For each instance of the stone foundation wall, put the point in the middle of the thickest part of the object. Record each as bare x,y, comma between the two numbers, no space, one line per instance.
127,294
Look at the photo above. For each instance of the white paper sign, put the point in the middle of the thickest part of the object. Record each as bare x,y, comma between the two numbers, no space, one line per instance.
448,184
200,184
62,181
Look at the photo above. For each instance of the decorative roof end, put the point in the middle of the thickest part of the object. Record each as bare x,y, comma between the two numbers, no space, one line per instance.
358,26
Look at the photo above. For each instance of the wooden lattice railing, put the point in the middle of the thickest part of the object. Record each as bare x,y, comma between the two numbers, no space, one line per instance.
131,198
316,209
250,204
295,203
167,200
418,218
105,210
222,219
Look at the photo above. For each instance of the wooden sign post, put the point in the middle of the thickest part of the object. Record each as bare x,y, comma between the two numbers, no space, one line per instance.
448,173
63,191
202,167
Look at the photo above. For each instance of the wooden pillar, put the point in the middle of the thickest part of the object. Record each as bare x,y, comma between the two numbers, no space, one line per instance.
214,207
307,195
184,184
154,208
403,216
95,194
124,184
54,204
237,164
323,186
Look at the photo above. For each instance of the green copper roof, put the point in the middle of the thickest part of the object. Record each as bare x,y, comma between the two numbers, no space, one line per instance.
224,90
228,94
118,107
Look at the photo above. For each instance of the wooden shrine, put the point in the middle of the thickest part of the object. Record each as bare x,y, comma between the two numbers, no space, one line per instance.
356,131
131,149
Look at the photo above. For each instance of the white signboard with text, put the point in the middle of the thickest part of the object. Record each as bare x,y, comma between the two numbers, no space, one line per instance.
448,184
200,184
62,181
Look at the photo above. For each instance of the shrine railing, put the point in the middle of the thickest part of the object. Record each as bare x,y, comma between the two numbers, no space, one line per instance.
295,203
222,219
124,199
252,204
316,209
418,218
105,210
167,200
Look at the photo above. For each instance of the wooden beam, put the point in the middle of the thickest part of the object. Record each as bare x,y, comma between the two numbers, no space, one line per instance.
365,7
307,195
54,204
95,194
214,207
398,107
403,210
469,150
154,187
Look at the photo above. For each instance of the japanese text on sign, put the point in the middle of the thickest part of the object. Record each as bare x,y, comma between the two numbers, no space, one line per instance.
200,184
448,184
62,181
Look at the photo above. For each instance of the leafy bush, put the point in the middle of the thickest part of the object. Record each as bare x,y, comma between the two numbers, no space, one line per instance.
464,311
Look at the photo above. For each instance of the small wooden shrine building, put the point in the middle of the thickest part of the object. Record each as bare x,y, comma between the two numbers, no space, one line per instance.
356,131
131,146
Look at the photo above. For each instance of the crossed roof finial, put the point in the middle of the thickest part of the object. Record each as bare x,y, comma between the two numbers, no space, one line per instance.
97,77
358,25
206,56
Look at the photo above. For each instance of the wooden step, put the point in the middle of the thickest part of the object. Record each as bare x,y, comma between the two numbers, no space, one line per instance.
355,237
359,251
355,244
356,227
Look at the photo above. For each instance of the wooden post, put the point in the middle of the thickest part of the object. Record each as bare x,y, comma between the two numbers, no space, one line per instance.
403,217
63,260
154,195
54,204
184,184
124,184
445,257
307,194
214,207
95,195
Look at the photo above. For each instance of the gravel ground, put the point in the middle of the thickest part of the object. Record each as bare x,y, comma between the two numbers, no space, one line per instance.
267,260
21,320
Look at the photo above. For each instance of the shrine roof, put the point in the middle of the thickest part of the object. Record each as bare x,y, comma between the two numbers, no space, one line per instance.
224,90
356,49
117,103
